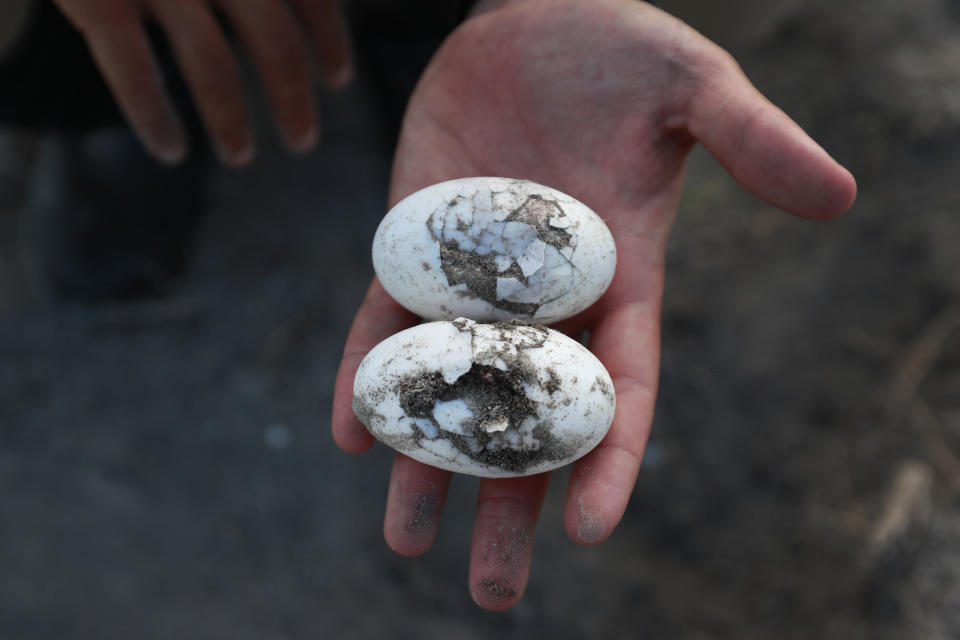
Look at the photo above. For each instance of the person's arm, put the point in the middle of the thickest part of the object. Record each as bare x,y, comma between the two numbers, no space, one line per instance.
602,100
281,38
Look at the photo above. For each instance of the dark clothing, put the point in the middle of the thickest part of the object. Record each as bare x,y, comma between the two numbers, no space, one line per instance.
48,79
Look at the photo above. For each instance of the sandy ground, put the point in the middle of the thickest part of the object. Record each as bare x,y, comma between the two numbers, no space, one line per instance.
166,469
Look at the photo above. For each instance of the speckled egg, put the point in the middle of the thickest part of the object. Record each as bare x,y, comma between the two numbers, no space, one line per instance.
493,249
492,400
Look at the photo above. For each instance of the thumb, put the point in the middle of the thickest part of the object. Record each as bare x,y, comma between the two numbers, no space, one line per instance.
765,151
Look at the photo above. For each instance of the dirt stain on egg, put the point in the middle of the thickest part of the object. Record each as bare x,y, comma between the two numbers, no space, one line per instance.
496,433
500,425
499,259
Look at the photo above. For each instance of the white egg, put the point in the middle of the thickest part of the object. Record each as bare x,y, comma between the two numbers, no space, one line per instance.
493,249
492,400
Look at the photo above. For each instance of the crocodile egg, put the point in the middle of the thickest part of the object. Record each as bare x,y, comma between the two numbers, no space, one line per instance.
493,249
492,400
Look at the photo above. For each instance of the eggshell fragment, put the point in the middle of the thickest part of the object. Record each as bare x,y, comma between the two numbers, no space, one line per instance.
493,249
492,400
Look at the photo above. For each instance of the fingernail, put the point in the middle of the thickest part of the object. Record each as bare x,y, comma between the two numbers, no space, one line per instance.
171,154
341,77
303,142
166,140
168,146
236,157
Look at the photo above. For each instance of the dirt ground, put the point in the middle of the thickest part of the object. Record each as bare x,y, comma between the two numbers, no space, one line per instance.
166,469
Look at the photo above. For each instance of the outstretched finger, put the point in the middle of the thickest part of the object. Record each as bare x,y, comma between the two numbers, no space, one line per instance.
763,149
378,318
122,53
324,24
502,543
414,504
627,342
207,62
270,35
626,339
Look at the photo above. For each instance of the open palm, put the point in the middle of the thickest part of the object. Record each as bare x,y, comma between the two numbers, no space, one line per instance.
602,100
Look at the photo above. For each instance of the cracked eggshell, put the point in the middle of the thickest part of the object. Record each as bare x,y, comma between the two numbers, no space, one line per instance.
493,249
492,400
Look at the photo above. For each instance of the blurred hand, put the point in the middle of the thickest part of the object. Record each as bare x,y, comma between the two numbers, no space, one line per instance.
274,33
603,100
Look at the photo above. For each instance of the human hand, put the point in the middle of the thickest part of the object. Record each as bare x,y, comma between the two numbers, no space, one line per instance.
602,100
273,32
